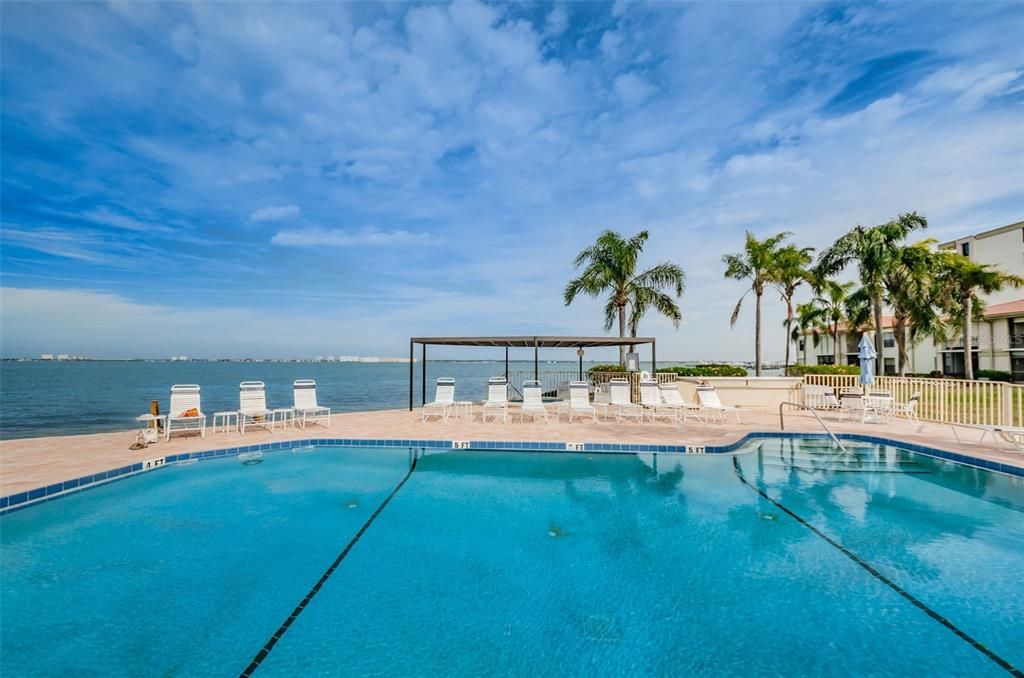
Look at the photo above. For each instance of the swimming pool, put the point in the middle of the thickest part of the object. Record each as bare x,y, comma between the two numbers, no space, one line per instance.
787,557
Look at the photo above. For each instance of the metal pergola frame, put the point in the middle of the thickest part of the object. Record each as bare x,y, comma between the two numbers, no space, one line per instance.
536,343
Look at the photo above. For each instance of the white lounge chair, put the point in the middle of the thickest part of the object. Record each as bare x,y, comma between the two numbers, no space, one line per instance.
1014,435
533,401
185,412
306,408
672,398
579,400
650,401
712,405
497,399
621,403
444,400
252,406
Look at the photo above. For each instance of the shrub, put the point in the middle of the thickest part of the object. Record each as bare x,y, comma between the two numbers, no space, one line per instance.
713,370
800,370
993,375
607,368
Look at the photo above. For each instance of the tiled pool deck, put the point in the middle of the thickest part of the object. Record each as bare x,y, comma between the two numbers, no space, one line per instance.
30,464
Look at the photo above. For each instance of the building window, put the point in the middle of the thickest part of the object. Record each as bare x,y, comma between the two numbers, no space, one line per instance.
965,249
890,366
853,359
800,344
1017,367
826,360
888,339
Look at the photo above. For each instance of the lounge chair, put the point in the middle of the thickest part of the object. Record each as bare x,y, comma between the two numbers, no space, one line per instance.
306,408
1000,434
497,399
621,403
650,401
579,400
252,406
672,398
444,400
533,401
185,412
712,405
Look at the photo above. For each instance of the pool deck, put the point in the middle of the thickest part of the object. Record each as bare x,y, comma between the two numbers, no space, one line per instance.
34,462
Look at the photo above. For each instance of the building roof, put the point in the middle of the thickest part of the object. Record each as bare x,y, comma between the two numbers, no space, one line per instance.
1007,308
530,342
984,234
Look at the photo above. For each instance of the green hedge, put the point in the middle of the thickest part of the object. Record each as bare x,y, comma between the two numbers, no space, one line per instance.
800,370
707,371
713,370
993,375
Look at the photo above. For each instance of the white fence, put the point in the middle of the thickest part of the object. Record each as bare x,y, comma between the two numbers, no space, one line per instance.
950,401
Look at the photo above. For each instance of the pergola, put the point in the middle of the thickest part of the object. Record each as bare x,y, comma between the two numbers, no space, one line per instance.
536,343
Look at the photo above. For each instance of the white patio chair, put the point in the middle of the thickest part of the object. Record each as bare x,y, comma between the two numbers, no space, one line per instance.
650,401
252,406
909,409
306,408
621,402
444,400
854,407
533,401
672,398
185,412
497,399
712,405
820,397
579,400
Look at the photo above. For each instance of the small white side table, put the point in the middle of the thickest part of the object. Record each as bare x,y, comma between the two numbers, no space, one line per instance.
285,416
465,408
226,419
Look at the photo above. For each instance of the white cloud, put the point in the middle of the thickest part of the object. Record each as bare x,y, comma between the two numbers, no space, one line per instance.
275,213
369,236
632,89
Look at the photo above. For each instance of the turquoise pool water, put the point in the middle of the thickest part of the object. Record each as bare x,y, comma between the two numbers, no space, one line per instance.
787,558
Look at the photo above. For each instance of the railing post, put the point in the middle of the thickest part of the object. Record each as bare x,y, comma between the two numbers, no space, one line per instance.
1006,404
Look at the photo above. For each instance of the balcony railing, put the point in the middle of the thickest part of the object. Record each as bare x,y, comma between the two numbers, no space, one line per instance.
1016,341
957,344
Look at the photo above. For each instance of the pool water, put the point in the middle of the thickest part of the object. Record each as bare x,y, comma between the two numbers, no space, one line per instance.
786,558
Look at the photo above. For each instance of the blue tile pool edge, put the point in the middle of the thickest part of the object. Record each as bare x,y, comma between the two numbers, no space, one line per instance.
20,500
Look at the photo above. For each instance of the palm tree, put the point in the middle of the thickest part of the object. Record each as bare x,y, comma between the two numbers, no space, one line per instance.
809,321
830,309
789,271
960,281
755,263
873,248
609,266
910,291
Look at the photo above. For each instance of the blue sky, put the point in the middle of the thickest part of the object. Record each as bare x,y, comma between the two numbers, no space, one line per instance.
242,179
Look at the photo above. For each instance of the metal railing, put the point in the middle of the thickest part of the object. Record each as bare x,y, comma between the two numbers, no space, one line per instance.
782,422
948,401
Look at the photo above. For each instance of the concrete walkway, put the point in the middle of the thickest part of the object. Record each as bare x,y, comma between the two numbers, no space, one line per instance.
34,462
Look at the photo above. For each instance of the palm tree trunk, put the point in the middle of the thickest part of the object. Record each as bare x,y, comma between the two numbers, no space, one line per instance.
757,337
901,345
622,333
968,352
835,342
789,330
806,339
879,346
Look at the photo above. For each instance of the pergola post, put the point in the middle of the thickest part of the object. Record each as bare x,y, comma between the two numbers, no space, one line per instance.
412,360
654,357
423,387
536,368
506,364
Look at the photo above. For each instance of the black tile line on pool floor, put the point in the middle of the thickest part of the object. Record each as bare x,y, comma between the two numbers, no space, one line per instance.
286,624
909,597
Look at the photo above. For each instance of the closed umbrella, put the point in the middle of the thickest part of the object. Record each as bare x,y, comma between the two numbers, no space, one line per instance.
867,357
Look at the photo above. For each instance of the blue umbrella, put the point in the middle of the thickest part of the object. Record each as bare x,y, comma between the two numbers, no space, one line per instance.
867,357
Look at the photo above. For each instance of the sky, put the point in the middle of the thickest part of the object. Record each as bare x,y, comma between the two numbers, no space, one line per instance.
289,180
